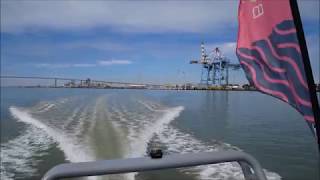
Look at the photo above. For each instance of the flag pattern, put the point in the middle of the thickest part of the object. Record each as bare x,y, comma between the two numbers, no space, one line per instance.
269,53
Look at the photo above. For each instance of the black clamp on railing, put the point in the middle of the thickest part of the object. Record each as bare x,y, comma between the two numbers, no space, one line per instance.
155,153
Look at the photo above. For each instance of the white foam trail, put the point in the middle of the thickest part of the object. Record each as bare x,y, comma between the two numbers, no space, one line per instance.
94,116
64,100
139,142
71,118
139,146
148,105
46,107
81,120
179,142
88,117
19,153
93,120
74,150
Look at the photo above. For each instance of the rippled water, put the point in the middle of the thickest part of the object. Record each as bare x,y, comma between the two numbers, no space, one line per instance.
44,127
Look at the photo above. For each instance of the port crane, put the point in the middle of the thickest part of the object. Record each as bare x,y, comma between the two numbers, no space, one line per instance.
215,67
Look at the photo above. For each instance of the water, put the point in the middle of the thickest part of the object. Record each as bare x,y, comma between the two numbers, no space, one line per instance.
44,127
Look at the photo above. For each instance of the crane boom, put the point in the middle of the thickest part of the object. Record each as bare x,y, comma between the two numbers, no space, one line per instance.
215,68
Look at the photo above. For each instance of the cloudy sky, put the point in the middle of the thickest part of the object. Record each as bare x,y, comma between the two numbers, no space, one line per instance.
126,41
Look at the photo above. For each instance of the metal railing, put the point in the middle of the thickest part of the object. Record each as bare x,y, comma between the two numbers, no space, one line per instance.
107,167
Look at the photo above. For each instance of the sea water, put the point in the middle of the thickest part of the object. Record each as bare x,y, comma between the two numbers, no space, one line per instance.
42,127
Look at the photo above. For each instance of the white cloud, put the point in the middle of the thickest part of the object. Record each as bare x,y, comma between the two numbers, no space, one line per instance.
83,65
128,16
48,65
114,62
101,44
138,16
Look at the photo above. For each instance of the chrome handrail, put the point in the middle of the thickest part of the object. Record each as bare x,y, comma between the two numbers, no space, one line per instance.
105,167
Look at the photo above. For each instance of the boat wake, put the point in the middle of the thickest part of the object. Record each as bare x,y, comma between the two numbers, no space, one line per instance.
181,142
87,129
19,154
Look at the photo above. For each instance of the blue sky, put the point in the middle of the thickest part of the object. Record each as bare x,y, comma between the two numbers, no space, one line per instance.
139,41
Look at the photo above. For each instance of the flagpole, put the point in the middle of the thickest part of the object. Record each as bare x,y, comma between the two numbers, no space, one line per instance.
307,66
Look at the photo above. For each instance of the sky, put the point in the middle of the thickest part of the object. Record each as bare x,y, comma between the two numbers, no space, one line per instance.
128,41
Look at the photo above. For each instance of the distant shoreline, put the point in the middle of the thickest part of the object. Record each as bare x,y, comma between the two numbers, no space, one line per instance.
172,89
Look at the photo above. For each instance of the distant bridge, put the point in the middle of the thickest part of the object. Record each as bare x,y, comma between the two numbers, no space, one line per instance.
83,82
